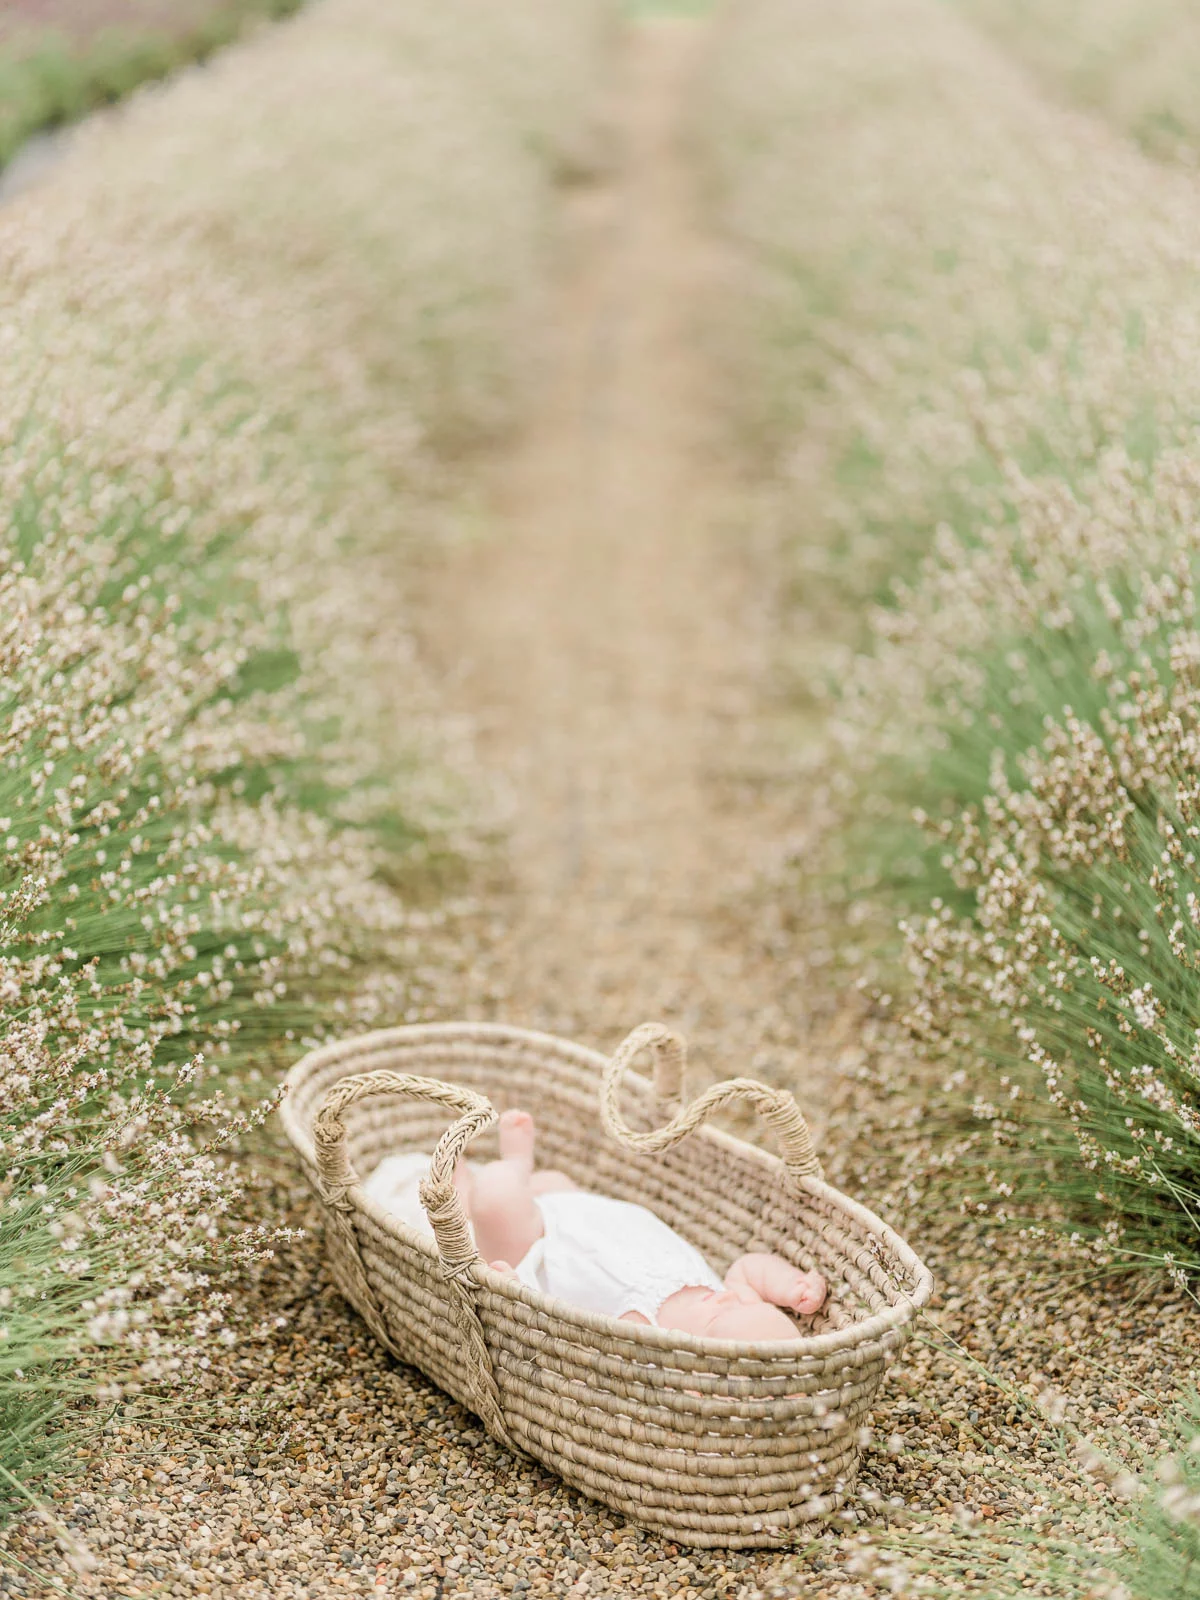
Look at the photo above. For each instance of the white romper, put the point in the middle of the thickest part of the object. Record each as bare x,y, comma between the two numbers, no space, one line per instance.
610,1256
602,1254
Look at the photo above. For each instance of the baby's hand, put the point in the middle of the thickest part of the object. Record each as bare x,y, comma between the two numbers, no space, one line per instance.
503,1268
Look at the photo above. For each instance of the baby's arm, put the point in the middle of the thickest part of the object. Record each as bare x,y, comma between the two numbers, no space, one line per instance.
771,1278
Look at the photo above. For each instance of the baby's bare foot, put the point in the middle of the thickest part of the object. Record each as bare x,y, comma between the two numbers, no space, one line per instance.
809,1294
517,1137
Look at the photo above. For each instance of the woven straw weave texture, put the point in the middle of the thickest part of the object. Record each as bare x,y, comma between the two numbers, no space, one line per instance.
707,1442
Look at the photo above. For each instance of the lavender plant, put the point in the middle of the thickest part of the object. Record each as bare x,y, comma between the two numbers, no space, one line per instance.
938,327
221,774
1133,63
1166,1557
148,953
999,336
58,63
1143,1545
1075,971
1136,1539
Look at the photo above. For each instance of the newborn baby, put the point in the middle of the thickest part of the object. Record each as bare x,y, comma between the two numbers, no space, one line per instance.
610,1256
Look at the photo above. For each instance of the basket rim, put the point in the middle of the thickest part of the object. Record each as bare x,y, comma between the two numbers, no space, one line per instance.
806,1346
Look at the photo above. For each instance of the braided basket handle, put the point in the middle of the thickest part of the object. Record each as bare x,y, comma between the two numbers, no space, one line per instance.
456,1248
776,1107
438,1194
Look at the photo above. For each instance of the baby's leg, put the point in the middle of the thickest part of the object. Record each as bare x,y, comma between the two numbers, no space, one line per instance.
517,1134
504,1213
549,1180
777,1281
503,1210
517,1137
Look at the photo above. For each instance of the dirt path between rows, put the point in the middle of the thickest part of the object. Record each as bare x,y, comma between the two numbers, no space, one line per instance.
609,639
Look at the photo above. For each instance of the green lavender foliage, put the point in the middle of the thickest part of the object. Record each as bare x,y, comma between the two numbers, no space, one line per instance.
48,78
979,340
1133,62
222,779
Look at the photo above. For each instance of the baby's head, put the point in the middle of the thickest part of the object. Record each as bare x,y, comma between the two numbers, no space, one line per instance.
728,1317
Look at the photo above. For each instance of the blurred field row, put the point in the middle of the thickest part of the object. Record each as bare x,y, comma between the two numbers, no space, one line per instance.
231,808
970,351
992,339
1134,62
60,59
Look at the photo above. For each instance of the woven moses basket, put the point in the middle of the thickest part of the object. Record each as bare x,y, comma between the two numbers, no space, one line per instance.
705,1441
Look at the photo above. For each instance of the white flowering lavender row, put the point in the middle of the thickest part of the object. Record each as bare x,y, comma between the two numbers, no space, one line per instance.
1132,61
994,304
241,332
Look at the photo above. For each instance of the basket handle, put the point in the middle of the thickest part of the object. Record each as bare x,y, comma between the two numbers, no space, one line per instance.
438,1194
776,1107
456,1248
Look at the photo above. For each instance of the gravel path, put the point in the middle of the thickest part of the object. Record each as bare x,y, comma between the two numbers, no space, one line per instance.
610,639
